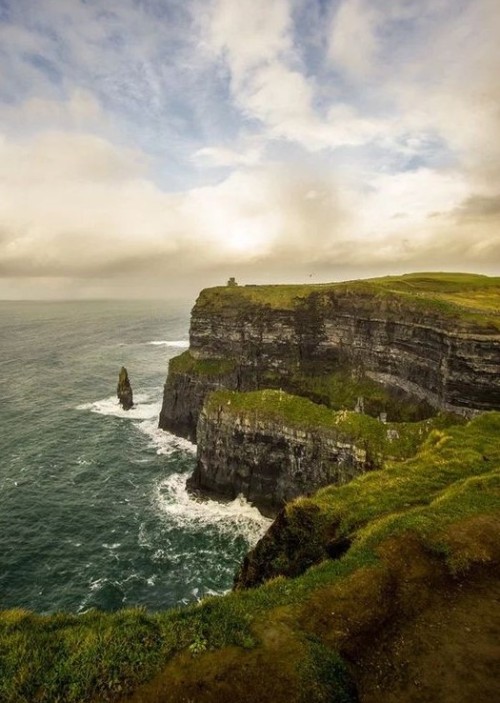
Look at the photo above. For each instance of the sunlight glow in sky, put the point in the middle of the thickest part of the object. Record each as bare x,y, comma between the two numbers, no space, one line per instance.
151,147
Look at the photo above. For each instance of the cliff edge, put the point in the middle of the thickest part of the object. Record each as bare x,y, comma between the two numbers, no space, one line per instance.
431,338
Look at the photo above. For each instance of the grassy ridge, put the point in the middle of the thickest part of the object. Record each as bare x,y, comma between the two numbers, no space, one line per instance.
438,496
471,299
398,440
341,389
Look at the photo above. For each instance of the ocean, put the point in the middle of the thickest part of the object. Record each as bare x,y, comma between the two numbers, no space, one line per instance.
93,507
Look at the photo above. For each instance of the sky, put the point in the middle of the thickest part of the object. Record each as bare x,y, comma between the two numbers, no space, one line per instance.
149,148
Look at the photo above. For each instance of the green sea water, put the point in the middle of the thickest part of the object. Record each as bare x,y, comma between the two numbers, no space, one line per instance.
93,507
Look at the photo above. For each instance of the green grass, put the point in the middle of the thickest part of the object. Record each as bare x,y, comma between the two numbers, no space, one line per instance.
453,479
398,440
186,363
341,389
470,299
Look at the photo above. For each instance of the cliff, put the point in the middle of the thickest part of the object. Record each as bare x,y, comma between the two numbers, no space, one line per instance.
398,349
273,447
383,586
430,337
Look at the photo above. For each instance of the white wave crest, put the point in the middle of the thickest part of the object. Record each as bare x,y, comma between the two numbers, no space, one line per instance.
143,408
164,442
147,412
234,518
177,344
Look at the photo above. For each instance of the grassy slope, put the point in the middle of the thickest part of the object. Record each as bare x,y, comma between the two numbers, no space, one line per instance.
438,496
398,440
472,299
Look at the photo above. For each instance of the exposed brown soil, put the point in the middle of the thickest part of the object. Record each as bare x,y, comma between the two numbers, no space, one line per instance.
449,653
411,632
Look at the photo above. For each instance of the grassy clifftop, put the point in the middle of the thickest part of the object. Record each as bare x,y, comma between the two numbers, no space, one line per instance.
398,440
469,298
418,526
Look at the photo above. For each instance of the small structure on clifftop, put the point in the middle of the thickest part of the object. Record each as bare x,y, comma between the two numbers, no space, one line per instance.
124,390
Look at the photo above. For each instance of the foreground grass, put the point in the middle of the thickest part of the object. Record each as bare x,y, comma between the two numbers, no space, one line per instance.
470,299
452,483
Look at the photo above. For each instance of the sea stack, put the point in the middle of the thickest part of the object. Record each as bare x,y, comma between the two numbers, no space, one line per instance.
124,390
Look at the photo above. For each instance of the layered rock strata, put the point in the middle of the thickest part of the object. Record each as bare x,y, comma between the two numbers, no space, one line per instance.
269,461
451,361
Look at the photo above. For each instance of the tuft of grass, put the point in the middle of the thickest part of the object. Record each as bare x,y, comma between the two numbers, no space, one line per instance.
326,675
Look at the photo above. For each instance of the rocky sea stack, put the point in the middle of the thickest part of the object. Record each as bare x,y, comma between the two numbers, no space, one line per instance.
124,390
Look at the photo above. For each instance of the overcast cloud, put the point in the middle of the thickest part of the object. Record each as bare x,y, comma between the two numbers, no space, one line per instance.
150,147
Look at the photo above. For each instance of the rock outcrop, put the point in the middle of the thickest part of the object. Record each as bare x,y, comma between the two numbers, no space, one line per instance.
270,461
271,446
124,390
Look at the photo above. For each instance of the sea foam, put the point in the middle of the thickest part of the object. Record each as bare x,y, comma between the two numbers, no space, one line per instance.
143,408
233,518
145,413
164,442
177,344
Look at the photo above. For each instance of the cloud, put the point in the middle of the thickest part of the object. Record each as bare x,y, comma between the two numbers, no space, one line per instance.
76,204
220,156
477,208
250,34
268,79
81,111
433,66
160,140
353,43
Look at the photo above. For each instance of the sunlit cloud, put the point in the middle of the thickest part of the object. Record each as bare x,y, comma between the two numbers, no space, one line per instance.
172,143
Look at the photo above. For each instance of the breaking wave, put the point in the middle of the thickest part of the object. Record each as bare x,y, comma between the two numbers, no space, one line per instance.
236,518
176,344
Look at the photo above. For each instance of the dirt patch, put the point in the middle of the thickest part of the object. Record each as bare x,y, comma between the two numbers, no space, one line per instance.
449,653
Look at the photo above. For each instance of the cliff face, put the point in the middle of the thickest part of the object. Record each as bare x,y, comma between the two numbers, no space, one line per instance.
429,348
454,364
183,398
269,461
